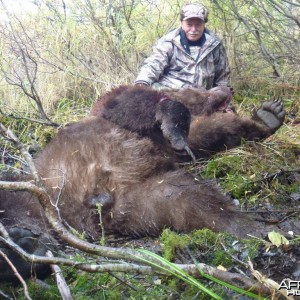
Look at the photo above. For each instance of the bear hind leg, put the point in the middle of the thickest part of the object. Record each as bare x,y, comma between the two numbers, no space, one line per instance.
32,244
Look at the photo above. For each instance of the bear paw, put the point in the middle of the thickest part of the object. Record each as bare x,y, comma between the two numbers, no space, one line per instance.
32,244
272,114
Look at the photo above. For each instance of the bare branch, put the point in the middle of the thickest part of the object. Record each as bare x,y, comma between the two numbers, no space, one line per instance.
22,281
91,267
10,136
28,64
29,119
271,59
285,12
63,288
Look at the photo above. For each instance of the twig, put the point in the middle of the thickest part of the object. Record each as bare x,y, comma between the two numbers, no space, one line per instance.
5,296
63,288
225,276
26,294
123,281
271,284
232,256
9,135
275,175
52,124
99,209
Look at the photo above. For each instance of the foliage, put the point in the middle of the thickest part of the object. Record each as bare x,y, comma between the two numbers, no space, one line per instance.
78,49
246,178
203,241
172,241
177,272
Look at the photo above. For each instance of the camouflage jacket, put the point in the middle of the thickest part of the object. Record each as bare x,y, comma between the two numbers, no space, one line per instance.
170,66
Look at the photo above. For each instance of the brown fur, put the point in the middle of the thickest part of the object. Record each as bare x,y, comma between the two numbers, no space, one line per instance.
149,193
142,191
210,130
200,101
149,112
24,219
112,164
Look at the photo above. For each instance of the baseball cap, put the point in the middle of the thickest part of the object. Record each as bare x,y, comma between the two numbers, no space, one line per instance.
194,10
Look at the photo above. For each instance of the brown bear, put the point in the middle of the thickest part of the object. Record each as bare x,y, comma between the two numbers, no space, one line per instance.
210,132
149,112
142,191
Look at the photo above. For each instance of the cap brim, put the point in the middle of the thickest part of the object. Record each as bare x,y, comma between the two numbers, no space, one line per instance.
193,16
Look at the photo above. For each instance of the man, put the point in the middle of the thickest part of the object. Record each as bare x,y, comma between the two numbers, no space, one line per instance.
190,56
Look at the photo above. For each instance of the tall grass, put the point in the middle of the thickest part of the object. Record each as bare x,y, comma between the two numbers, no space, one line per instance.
79,51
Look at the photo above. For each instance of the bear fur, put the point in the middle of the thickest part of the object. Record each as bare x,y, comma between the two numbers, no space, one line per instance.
200,101
210,132
149,112
141,190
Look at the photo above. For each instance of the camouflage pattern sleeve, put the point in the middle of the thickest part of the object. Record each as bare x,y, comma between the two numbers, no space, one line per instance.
222,72
154,66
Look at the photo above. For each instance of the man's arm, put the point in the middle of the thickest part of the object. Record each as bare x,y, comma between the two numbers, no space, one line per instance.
222,74
153,66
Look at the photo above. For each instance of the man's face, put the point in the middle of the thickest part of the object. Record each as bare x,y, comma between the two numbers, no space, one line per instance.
193,28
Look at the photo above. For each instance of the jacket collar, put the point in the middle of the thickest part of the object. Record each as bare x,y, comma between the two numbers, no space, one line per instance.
211,42
186,43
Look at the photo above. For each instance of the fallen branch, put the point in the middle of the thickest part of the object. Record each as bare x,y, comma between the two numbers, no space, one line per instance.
268,282
239,280
22,281
62,286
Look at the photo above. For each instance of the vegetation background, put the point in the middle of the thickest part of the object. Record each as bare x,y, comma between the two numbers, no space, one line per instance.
58,57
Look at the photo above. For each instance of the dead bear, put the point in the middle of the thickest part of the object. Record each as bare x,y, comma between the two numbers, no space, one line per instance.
142,190
210,132
200,101
148,112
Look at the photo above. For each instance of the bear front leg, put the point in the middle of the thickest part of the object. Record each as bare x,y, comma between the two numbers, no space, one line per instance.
271,114
175,121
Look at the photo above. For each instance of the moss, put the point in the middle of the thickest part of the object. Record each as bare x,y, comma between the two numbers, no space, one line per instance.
222,258
35,290
252,246
209,241
201,242
38,293
220,166
270,178
172,241
204,237
98,286
228,169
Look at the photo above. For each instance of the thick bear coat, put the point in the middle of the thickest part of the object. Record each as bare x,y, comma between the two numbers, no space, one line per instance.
96,162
